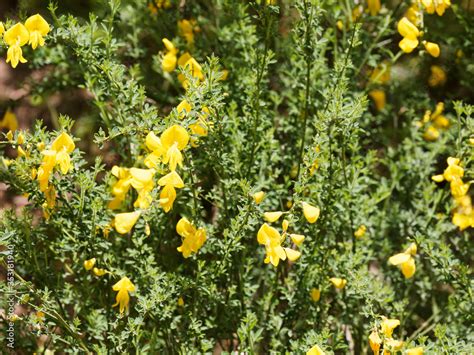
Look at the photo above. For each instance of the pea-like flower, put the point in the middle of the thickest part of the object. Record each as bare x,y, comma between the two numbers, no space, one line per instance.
311,213
410,34
124,286
124,222
38,28
405,261
193,239
16,37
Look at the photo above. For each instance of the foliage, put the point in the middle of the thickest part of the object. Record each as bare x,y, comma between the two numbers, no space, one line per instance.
294,101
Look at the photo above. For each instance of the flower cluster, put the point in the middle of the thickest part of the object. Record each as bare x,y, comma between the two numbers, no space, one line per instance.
434,123
193,239
408,27
57,154
463,215
271,238
185,62
382,337
89,264
155,5
32,32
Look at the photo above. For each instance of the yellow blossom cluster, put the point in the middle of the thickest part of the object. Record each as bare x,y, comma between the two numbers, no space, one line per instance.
463,216
408,26
57,154
193,239
187,28
90,265
165,149
186,62
434,123
200,128
32,32
405,261
382,337
271,238
156,5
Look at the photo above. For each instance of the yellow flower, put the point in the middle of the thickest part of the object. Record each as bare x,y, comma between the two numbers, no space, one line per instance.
437,77
338,282
38,28
10,136
189,64
311,213
16,37
439,6
124,222
170,59
315,294
360,232
381,74
9,122
272,216
284,225
172,179
174,139
410,35
2,29
432,48
270,237
183,108
180,301
452,172
392,345
405,261
388,325
258,197
63,145
315,350
193,239
458,187
50,194
415,351
121,186
378,96
298,239
413,14
375,342
124,286
374,6
99,272
89,264
291,254
168,194
187,29
431,134
57,154
167,197
142,181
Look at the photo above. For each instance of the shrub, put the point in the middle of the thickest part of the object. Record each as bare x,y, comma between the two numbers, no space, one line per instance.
239,176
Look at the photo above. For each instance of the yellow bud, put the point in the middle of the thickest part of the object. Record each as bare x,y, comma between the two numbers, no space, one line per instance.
272,216
258,197
315,294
